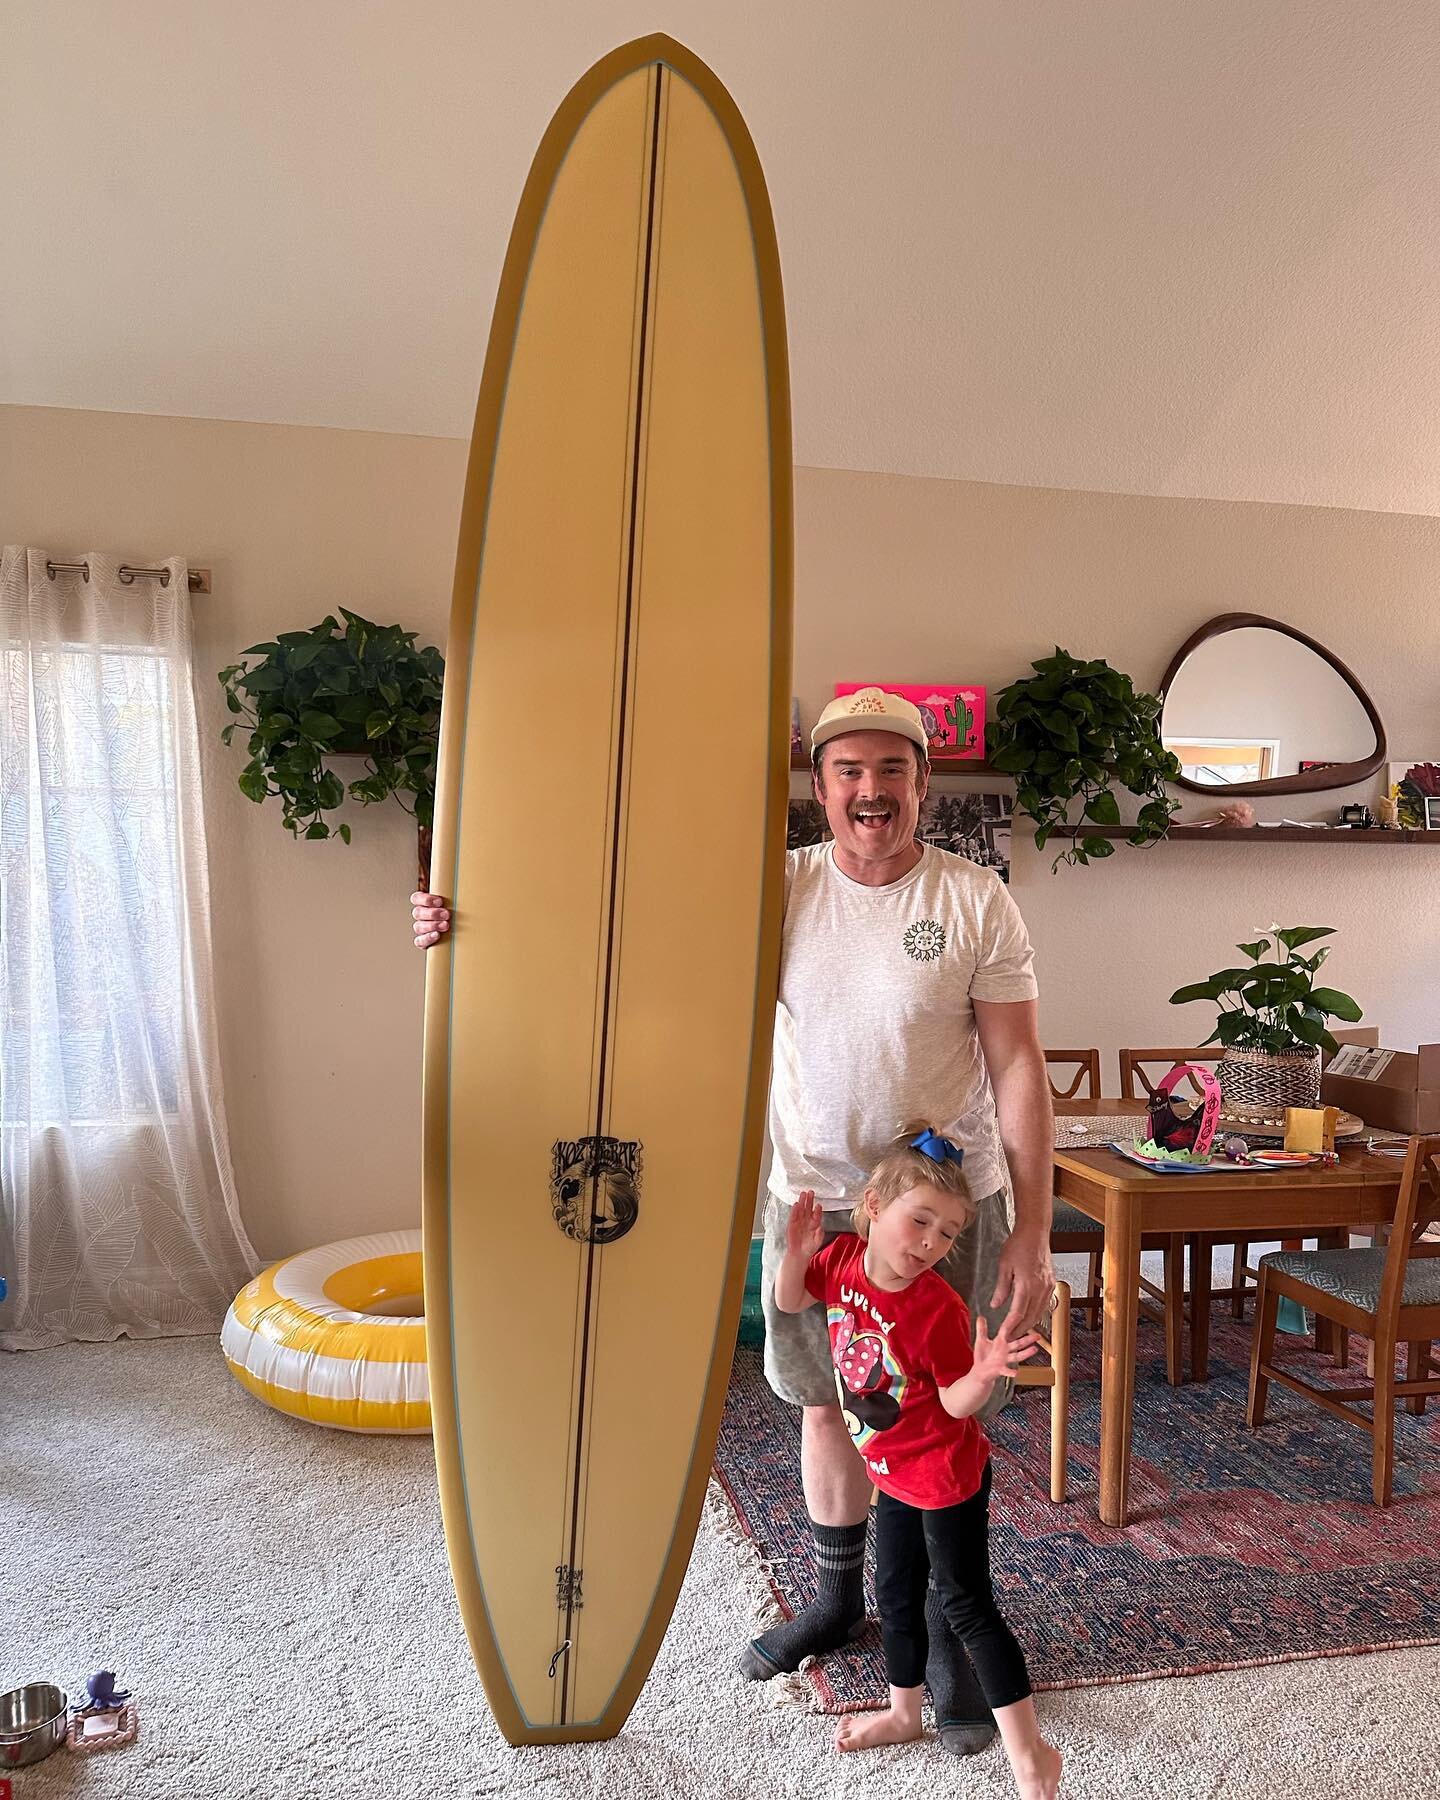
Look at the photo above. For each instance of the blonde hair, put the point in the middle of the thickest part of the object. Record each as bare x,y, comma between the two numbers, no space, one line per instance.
903,1167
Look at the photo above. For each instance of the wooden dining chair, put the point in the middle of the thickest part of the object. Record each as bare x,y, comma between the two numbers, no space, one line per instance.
1084,1068
1054,1374
1390,1296
1142,1071
1074,1233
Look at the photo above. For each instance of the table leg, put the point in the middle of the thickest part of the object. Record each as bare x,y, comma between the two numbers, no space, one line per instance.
1202,1256
1117,1352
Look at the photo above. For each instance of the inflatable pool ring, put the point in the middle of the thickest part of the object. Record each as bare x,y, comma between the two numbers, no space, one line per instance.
336,1335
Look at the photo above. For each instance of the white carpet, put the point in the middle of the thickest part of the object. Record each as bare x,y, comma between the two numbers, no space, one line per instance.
278,1597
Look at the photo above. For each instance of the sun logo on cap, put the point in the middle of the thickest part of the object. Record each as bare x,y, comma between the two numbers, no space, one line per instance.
925,940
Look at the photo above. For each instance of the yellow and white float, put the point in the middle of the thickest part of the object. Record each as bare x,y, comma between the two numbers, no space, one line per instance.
336,1335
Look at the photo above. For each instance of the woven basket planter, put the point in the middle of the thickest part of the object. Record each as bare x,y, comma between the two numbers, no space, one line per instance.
1258,1085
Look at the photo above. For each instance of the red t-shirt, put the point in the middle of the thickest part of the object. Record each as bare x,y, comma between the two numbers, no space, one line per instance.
892,1352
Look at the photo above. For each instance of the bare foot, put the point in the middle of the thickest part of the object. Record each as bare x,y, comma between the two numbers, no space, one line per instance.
1039,1779
866,1731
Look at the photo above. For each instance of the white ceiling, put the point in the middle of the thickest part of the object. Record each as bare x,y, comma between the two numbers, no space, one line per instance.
1178,247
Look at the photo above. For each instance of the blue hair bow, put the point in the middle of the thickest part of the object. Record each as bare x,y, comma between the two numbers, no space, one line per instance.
938,1149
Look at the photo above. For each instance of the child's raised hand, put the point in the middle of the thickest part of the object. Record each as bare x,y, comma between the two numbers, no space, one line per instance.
805,1229
1000,1356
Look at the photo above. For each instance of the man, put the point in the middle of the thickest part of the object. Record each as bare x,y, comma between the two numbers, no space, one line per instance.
906,993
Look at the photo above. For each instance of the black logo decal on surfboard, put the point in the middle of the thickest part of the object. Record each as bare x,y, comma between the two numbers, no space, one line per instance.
595,1188
567,1587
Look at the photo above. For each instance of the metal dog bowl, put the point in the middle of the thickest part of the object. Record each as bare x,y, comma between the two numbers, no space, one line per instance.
33,1722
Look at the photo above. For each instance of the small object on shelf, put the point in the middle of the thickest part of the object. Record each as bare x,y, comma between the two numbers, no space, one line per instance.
1311,1128
1408,784
1238,814
1358,817
1387,811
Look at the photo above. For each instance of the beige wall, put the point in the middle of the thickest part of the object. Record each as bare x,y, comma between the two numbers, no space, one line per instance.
898,578
912,580
319,991
1133,247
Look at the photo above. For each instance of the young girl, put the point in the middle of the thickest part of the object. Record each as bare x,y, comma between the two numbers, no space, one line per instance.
910,1386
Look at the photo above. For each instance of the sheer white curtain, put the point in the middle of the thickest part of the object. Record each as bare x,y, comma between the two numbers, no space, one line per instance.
118,1214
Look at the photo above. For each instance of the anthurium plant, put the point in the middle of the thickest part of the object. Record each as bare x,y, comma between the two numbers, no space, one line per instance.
1272,1002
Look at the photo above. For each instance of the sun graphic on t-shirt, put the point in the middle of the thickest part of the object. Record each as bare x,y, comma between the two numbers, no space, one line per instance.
925,940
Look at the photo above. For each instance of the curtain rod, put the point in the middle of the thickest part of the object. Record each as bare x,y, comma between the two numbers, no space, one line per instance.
199,579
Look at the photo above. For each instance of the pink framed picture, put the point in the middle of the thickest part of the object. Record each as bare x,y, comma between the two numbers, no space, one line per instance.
954,716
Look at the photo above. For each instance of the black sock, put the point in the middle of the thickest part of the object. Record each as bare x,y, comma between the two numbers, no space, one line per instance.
836,1614
962,1718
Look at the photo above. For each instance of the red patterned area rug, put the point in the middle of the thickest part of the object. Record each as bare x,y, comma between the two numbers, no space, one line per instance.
1244,1548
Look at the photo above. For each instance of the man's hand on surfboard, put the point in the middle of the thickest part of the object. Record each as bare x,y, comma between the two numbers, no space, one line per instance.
431,918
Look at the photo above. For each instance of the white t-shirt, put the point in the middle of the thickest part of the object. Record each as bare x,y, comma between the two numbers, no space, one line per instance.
875,1026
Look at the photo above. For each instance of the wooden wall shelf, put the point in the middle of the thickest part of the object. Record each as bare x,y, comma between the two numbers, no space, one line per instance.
1252,834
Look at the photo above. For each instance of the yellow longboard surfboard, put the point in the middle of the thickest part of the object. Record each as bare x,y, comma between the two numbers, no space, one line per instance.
609,828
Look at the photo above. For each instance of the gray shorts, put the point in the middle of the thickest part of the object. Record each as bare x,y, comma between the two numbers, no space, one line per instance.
797,1345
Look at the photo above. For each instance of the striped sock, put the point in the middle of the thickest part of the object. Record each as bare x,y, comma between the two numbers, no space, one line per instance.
835,1615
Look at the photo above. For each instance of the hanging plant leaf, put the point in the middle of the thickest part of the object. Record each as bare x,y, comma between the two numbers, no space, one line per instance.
1075,730
319,691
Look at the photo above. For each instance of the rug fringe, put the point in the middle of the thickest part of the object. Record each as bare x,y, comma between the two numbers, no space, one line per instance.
725,1525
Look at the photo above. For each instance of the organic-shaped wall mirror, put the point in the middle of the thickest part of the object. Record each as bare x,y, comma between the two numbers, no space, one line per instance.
1256,707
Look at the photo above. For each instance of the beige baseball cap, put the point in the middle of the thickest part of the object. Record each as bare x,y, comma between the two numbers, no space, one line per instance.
870,709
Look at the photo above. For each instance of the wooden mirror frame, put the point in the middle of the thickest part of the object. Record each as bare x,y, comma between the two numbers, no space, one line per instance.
1306,781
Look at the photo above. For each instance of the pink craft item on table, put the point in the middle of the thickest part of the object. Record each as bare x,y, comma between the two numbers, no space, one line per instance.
1189,1133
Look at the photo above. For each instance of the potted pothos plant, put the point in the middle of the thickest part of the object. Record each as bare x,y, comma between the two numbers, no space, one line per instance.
1273,1021
360,689
1075,732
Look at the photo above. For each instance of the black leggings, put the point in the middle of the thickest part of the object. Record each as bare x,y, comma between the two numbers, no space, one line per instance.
953,1542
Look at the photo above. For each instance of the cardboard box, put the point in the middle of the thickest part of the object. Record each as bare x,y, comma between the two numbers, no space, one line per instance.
1400,1091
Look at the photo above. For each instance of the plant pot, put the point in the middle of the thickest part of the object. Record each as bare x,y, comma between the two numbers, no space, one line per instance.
1258,1085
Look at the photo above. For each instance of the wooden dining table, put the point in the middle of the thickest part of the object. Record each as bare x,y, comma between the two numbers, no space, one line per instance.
1130,1201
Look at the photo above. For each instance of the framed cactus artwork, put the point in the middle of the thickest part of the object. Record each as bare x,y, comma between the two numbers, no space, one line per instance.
954,716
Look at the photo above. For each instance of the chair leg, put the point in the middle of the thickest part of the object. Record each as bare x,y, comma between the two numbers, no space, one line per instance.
1202,1255
1092,1292
1329,1333
1174,1283
1342,1347
1241,1256
1060,1394
1416,1365
1267,1310
1382,1473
